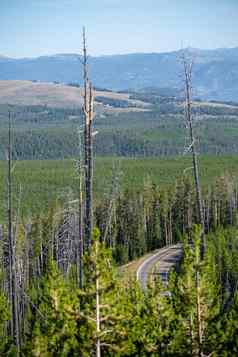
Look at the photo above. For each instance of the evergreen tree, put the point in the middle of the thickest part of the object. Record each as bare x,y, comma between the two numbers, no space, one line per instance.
57,328
5,343
195,301
101,300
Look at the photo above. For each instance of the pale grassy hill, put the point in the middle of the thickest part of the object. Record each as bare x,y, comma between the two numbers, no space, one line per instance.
21,92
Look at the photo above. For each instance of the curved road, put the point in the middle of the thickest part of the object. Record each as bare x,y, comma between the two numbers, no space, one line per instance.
165,258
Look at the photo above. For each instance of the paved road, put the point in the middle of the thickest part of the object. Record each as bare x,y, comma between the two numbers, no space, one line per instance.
165,258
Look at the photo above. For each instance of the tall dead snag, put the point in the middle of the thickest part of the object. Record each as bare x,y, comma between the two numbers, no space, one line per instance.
88,112
12,246
80,249
189,119
188,65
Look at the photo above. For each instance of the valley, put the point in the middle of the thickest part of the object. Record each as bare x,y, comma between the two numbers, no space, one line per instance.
118,205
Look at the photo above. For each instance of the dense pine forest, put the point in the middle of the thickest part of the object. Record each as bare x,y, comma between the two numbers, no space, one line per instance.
88,192
57,317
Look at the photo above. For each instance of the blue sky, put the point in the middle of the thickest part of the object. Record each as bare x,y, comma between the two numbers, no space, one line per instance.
39,27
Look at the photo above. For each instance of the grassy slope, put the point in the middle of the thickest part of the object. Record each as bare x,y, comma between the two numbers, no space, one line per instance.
54,95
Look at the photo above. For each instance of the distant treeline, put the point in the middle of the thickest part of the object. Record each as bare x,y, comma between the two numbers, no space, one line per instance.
116,103
40,132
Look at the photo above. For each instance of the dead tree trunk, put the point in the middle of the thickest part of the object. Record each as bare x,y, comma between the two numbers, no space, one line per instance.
189,119
88,113
80,248
12,247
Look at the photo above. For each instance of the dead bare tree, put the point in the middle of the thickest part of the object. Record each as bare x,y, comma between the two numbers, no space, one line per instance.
111,210
80,248
187,67
13,295
88,113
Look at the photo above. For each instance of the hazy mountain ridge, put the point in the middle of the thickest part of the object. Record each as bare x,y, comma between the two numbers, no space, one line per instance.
215,71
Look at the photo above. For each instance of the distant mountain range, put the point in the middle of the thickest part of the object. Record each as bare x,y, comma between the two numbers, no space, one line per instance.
215,74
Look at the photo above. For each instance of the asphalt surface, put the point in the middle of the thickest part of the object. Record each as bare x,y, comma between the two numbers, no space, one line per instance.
164,260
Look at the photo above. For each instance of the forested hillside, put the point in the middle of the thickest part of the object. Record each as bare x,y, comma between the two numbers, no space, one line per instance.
142,124
57,317
92,183
139,205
